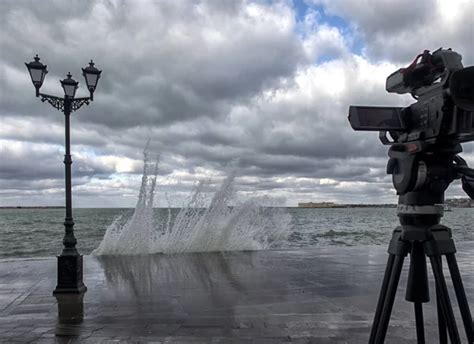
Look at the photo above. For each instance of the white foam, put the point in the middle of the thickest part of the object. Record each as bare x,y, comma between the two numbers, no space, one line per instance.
196,228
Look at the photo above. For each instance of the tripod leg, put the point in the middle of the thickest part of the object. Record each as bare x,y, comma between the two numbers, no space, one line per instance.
389,299
417,286
444,298
461,296
380,302
420,331
443,334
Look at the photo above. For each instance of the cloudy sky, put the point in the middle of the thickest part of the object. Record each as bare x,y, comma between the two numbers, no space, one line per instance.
263,86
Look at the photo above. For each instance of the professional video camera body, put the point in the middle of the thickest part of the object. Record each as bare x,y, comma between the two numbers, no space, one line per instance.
441,119
426,140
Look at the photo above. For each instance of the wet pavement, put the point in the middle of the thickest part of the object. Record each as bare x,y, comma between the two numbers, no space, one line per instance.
299,296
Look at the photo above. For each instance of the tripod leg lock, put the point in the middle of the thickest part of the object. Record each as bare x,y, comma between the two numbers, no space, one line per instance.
397,246
440,243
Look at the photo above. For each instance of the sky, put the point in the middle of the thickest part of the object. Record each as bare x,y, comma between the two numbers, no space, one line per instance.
258,87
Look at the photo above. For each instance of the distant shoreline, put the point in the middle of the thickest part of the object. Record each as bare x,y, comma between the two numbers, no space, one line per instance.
333,206
32,207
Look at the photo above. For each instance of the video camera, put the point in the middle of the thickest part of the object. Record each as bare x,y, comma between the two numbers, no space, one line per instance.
444,91
431,129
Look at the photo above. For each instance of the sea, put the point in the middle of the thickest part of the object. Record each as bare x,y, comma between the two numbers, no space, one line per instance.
39,232
213,218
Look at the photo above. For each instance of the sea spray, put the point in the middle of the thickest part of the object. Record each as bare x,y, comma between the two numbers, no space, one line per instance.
137,234
247,225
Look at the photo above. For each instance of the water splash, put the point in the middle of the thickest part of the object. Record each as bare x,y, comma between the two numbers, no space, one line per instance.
196,228
137,233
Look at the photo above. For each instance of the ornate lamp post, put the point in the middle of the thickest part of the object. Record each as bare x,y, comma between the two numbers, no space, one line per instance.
70,279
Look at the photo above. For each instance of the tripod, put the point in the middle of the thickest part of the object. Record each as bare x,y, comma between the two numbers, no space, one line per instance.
421,242
421,235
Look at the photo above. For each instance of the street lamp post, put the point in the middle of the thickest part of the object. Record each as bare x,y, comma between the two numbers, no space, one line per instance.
70,280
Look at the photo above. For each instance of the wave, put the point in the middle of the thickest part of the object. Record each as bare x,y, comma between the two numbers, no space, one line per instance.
247,225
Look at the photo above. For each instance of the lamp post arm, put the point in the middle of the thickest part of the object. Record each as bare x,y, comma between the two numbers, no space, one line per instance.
76,103
58,102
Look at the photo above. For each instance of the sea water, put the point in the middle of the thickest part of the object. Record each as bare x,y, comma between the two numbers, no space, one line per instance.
39,232
223,224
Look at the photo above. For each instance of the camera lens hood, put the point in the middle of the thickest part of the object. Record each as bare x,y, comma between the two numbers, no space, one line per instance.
461,86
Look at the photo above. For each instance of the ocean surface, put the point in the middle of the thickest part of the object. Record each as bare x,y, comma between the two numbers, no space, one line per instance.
39,232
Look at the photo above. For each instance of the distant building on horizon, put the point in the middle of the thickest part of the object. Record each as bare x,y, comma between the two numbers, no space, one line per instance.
459,202
317,205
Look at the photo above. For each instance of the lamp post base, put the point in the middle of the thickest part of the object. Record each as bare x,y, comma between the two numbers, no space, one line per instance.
70,275
70,308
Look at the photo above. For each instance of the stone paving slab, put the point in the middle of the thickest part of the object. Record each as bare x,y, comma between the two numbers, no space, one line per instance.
297,296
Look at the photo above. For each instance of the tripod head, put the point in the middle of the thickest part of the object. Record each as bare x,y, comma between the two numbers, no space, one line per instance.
422,172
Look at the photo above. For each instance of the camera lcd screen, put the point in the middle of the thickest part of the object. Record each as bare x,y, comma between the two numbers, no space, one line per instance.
376,118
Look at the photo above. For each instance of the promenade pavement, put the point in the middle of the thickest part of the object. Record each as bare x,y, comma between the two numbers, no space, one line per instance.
317,296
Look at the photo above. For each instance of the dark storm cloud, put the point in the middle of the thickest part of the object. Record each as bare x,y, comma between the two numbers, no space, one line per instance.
340,169
162,61
18,162
213,85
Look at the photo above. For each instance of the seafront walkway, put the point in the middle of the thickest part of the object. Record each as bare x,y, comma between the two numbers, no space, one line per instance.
294,296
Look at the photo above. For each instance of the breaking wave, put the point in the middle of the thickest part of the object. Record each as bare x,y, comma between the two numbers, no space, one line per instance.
247,225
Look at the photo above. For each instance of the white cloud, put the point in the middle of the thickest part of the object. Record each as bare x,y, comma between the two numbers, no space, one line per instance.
399,30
